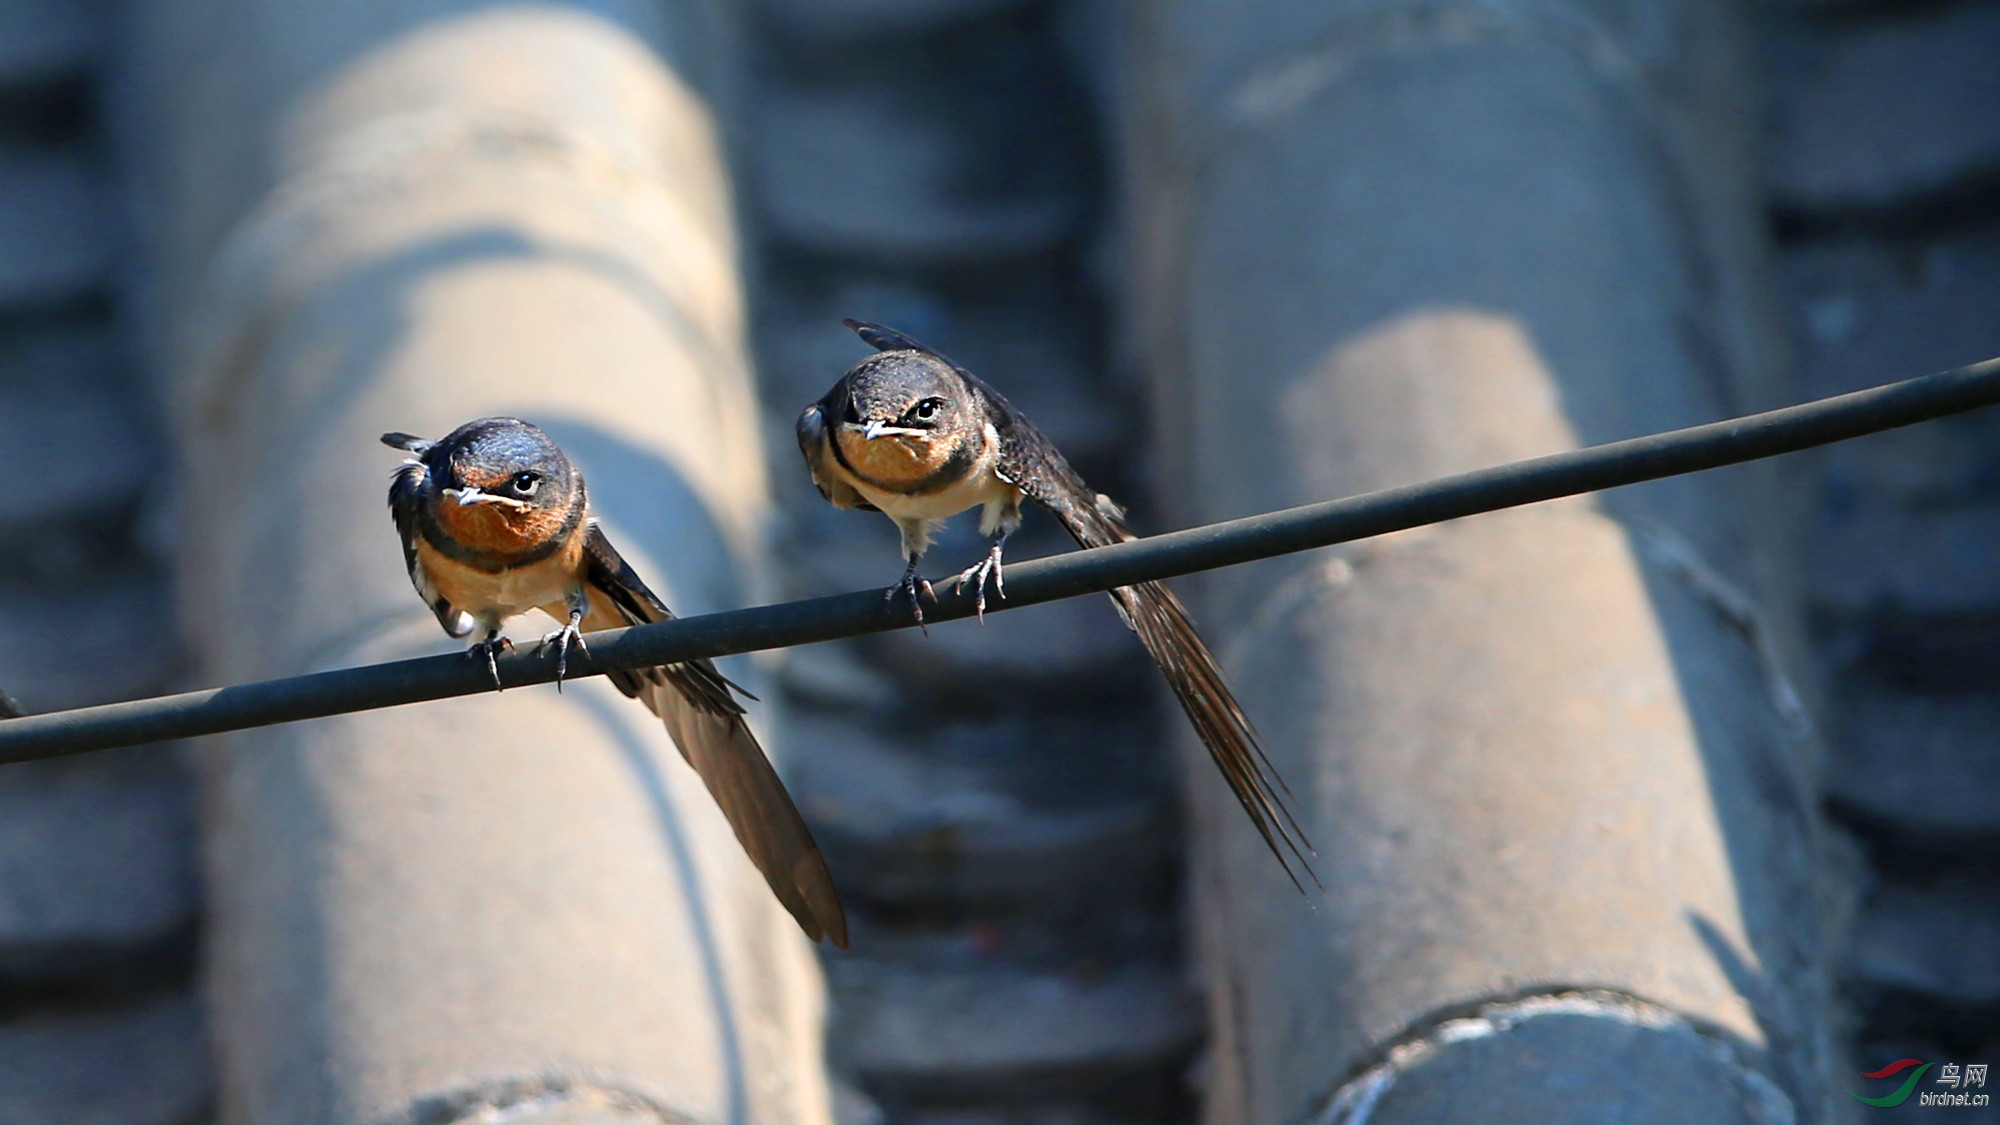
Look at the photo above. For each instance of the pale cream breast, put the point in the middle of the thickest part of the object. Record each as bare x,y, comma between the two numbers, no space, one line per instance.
979,487
509,592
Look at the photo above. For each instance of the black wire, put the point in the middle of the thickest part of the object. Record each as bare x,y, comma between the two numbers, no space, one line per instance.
1064,576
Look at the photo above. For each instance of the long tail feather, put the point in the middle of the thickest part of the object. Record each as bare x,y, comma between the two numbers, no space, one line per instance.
1198,685
706,722
723,751
1191,671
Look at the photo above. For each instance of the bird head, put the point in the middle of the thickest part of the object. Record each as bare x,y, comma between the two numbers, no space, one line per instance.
907,413
500,484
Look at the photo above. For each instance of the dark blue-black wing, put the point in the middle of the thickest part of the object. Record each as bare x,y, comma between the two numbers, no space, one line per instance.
1038,468
815,434
406,508
694,700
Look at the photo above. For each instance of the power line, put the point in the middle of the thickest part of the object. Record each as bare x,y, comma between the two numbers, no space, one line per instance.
1592,469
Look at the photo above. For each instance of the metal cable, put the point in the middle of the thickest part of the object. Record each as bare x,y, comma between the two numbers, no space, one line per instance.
1070,575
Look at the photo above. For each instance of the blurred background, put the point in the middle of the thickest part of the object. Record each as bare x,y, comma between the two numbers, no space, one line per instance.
1002,806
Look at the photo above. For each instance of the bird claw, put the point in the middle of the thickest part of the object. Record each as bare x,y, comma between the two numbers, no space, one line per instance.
979,574
491,648
562,638
916,588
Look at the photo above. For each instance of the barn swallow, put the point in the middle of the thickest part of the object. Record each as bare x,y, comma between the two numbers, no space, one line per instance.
495,521
911,434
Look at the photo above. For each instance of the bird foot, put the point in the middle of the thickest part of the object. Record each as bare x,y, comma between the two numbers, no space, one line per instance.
562,638
916,588
980,574
490,648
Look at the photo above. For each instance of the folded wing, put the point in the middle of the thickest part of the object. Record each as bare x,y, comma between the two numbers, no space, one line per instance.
1040,470
695,703
816,445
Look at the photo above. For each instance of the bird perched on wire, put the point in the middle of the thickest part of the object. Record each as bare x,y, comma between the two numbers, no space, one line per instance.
911,434
495,522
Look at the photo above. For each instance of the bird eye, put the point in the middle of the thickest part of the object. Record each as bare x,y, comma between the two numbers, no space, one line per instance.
928,407
524,483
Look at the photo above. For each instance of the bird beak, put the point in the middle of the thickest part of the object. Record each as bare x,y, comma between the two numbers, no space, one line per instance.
468,497
881,429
